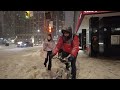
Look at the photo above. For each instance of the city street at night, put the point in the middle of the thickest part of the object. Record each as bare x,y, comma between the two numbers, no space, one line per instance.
59,45
27,63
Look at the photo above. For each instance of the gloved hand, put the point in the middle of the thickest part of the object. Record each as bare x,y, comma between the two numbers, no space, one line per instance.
70,58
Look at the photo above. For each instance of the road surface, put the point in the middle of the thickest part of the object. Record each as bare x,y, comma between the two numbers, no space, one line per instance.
27,63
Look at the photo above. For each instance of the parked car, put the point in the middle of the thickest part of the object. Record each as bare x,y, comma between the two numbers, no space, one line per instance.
24,44
6,44
36,44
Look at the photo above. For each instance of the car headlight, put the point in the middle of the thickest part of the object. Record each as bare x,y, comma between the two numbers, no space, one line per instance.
25,44
19,42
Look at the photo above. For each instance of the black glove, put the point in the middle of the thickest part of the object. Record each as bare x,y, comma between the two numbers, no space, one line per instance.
71,58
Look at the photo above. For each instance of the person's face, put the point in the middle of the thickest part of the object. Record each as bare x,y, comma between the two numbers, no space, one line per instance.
95,39
66,34
49,37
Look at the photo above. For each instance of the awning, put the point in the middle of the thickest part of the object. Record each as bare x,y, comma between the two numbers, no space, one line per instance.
83,13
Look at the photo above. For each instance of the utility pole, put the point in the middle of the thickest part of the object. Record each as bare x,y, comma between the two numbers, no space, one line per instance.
44,26
56,26
2,17
32,28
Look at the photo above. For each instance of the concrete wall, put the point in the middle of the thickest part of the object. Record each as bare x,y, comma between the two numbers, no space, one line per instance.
84,24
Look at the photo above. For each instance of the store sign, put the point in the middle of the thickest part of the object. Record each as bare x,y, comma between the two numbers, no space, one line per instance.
94,12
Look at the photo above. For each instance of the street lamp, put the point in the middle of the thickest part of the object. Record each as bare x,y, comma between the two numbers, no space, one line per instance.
38,30
59,31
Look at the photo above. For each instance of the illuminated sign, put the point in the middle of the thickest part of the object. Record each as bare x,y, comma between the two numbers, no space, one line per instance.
28,14
94,12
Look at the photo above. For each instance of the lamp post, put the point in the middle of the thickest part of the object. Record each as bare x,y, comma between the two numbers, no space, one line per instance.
38,36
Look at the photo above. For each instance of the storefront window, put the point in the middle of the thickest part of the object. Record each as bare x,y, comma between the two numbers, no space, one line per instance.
115,39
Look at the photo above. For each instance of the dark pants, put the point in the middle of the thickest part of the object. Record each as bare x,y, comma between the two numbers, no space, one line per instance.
95,53
48,58
73,64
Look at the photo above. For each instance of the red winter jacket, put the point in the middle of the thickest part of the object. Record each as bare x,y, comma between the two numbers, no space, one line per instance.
70,47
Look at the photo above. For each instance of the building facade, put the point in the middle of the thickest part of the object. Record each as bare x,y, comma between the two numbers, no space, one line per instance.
31,29
7,24
14,24
58,18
